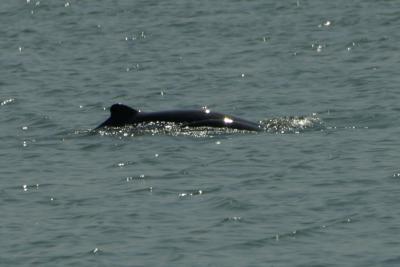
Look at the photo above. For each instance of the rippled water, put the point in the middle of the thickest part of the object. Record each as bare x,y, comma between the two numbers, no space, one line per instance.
319,187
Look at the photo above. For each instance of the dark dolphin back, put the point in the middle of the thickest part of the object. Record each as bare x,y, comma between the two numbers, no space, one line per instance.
198,118
121,112
120,116
177,116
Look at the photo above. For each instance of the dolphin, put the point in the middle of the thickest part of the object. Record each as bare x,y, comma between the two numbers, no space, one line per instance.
122,115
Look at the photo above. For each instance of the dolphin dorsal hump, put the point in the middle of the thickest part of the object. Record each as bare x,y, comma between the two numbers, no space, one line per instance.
122,111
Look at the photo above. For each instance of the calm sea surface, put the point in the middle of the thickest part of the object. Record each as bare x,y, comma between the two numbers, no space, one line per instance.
321,187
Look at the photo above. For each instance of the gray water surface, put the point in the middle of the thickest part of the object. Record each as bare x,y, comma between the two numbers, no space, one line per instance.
322,191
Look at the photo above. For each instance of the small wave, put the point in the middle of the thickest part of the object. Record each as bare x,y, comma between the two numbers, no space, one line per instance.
7,101
317,228
295,124
166,128
275,125
190,193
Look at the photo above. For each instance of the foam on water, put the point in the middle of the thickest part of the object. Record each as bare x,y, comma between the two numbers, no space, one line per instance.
281,125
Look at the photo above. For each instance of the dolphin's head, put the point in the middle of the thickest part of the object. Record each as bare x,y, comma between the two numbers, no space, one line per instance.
120,116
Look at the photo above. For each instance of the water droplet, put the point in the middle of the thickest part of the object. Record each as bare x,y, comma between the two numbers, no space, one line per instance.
7,101
205,109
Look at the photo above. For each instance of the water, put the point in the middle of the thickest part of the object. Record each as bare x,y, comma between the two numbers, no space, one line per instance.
321,195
